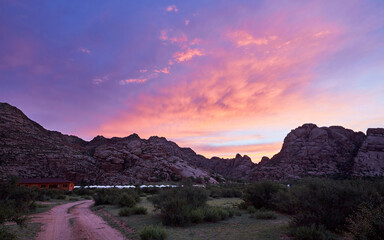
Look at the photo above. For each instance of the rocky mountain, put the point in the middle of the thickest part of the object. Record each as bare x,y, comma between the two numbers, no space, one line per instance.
325,151
28,150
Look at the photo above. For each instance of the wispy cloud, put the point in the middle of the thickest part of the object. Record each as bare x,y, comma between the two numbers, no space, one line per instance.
243,38
85,50
100,80
172,8
133,80
164,70
97,81
187,55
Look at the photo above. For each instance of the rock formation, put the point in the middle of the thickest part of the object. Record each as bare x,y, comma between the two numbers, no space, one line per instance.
28,150
325,151
370,158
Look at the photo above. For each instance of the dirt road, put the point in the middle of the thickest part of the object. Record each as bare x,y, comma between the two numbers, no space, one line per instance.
73,221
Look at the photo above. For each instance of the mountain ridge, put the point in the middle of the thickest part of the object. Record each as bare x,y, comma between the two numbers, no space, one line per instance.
29,150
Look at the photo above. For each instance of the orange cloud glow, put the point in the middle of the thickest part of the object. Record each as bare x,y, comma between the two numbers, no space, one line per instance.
187,55
172,8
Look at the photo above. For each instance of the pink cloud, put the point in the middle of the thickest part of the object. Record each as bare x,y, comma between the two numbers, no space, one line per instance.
243,38
164,70
263,83
179,39
187,22
163,35
187,55
172,8
133,80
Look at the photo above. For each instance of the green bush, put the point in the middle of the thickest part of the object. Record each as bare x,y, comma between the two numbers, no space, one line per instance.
223,213
212,214
251,209
231,212
16,202
6,235
61,197
139,210
329,202
177,204
367,223
115,196
312,233
197,215
265,215
260,195
127,211
285,202
153,233
225,190
126,200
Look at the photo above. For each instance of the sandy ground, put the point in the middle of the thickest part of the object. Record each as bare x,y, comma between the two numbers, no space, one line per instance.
86,225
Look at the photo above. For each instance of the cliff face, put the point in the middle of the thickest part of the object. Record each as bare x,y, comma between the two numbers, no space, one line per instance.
369,161
28,150
312,151
236,168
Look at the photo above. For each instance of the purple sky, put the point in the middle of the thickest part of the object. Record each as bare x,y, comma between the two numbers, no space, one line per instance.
221,77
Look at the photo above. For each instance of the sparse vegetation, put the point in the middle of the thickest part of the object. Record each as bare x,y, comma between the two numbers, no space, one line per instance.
127,211
153,233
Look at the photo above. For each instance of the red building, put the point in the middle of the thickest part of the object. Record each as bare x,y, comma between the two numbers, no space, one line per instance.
47,183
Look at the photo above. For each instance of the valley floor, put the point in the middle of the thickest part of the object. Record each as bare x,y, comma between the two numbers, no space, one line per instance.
238,227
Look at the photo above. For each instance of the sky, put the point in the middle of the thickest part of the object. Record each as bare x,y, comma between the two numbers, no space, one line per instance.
221,77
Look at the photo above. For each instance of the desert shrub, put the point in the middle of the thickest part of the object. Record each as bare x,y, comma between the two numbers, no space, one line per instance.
115,196
153,233
367,223
251,209
261,194
225,190
177,204
312,232
126,200
329,203
285,202
83,191
15,203
47,194
139,210
61,197
6,235
197,215
231,212
266,215
125,212
212,214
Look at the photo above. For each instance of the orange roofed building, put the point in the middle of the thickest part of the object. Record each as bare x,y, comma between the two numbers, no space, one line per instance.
47,183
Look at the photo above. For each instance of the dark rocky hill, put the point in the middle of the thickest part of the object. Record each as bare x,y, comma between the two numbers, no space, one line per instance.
28,150
325,151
